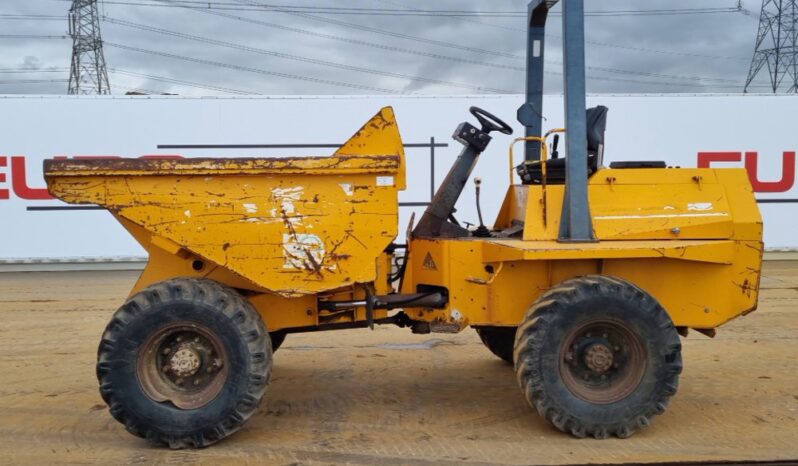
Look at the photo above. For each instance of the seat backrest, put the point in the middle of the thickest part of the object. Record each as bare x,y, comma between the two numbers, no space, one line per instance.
596,126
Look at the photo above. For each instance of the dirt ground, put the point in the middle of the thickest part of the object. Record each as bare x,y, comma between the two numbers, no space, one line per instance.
388,396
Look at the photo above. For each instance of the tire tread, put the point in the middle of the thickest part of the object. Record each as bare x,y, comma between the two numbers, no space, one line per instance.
237,309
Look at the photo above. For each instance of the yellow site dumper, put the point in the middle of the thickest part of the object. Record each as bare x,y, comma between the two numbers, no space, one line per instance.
584,281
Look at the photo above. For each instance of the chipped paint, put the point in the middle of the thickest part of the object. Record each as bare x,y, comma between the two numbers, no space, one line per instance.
700,206
286,197
251,208
303,251
385,181
187,213
348,188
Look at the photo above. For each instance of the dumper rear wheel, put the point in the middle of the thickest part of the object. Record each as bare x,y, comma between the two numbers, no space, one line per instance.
499,340
598,356
184,363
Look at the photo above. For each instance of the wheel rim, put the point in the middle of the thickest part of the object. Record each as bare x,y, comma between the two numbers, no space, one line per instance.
183,363
602,361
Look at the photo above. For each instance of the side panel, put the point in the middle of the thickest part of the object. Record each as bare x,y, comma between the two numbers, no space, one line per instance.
633,204
696,294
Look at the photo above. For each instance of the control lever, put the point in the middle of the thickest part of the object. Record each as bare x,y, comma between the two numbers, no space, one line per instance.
554,153
481,231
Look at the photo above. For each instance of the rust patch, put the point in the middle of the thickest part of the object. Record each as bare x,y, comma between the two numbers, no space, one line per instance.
210,166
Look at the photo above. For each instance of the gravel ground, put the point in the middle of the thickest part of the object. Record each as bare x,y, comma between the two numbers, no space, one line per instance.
388,396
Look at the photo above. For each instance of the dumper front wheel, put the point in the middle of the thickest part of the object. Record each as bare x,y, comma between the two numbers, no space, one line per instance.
598,356
184,363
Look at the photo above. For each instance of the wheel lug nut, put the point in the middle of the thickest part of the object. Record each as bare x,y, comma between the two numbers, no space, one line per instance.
616,348
196,381
179,339
604,335
167,350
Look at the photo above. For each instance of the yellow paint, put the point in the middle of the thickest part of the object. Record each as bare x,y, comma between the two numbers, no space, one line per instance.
294,232
292,226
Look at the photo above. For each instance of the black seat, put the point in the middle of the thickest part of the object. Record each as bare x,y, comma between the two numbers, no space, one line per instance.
531,173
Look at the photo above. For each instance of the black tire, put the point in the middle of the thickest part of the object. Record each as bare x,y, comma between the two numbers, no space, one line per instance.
615,395
244,362
277,339
499,340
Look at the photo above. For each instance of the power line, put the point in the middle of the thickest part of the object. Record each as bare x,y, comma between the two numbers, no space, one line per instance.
445,44
30,70
32,17
597,43
423,40
218,5
30,36
254,70
32,81
364,43
437,56
380,72
286,56
179,82
369,29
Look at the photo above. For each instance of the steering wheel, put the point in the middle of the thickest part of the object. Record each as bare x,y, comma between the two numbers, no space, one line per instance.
490,122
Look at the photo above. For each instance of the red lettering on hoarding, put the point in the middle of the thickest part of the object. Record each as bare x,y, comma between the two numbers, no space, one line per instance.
4,194
786,183
706,158
19,182
787,174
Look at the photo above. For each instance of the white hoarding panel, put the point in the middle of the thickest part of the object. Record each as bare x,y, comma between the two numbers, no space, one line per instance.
755,132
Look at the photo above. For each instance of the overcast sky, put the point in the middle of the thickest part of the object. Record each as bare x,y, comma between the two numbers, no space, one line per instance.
293,52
